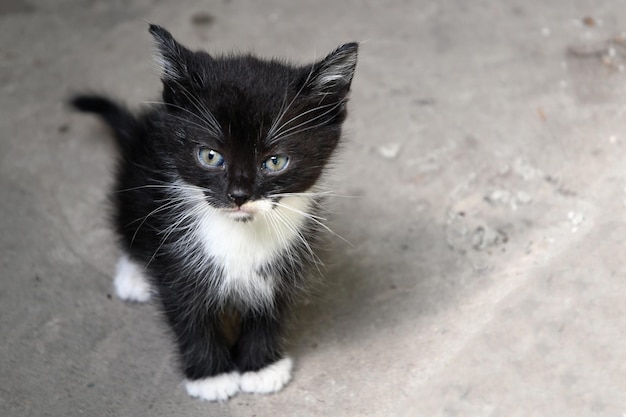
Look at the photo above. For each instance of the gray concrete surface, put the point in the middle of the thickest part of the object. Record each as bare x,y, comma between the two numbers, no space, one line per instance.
486,156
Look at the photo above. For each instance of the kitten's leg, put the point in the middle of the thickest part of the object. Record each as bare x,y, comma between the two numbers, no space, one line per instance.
259,354
130,281
205,357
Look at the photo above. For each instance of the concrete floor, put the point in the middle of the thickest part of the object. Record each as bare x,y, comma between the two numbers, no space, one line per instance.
485,151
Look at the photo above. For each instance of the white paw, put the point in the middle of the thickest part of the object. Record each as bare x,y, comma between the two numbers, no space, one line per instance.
215,388
272,378
130,281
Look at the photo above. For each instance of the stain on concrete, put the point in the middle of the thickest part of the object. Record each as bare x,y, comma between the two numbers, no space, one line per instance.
9,7
203,19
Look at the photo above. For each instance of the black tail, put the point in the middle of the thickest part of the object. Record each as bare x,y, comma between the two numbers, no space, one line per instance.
121,121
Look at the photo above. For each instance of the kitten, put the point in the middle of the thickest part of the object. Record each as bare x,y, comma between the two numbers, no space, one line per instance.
216,203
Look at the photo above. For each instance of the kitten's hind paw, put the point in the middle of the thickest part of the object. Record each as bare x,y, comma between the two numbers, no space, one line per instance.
130,281
270,379
215,388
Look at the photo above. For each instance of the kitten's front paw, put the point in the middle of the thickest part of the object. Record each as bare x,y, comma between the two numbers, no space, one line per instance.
215,388
270,379
130,282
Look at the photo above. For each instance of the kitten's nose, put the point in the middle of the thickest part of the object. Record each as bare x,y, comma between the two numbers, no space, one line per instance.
239,196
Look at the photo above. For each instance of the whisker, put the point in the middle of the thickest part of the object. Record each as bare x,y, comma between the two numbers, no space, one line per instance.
171,204
212,128
314,194
279,233
169,186
281,113
278,131
286,135
290,131
271,132
297,232
204,111
316,219
168,204
167,232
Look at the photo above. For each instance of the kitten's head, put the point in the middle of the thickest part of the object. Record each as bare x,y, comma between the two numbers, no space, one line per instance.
250,131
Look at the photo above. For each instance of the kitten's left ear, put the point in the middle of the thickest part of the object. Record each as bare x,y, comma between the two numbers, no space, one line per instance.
334,73
171,56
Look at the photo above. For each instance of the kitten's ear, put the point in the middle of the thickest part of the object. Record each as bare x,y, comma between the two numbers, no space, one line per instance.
334,73
171,56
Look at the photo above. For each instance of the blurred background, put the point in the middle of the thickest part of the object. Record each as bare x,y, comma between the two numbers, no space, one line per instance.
484,160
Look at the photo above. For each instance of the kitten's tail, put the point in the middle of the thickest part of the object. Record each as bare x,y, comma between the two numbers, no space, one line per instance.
119,119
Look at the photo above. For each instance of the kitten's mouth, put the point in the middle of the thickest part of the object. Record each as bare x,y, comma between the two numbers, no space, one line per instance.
248,210
242,213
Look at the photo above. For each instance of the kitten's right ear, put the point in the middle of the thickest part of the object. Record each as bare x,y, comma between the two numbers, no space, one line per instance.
171,56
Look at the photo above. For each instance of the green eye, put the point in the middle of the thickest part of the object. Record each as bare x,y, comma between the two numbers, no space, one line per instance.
275,163
210,158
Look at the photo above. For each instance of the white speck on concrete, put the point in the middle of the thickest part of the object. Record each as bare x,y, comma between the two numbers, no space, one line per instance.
575,219
523,197
524,169
390,150
499,196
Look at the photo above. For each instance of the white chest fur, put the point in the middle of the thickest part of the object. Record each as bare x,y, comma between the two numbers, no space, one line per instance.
241,249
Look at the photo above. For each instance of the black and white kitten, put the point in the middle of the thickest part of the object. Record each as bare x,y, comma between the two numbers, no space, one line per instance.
217,207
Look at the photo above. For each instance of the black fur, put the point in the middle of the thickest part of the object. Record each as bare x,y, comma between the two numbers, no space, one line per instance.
229,104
